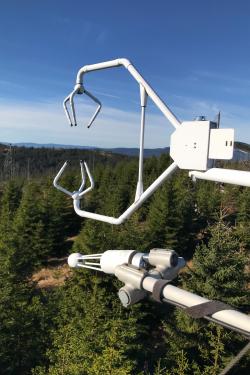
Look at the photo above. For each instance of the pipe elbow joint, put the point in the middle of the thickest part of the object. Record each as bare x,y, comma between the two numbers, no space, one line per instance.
79,77
119,220
125,62
75,195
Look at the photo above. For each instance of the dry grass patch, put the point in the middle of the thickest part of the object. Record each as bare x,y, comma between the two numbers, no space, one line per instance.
51,277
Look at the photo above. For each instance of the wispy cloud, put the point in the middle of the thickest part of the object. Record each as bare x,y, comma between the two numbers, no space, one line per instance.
46,123
220,77
106,94
232,115
221,82
8,84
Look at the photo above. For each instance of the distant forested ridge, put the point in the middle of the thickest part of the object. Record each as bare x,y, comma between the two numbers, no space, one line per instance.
241,151
80,327
242,146
34,162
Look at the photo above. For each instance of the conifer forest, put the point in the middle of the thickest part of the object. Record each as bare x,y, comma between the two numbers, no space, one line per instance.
75,324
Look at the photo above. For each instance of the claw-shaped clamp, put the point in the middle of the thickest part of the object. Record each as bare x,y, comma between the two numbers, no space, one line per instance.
78,194
194,145
78,89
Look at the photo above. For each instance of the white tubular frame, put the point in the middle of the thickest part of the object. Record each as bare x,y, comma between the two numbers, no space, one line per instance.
70,98
79,193
147,193
130,267
145,91
137,76
229,176
230,318
214,174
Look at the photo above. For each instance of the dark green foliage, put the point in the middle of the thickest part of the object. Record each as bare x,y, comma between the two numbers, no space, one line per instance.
220,266
34,162
9,203
25,321
30,242
171,216
94,334
81,327
243,217
208,201
217,273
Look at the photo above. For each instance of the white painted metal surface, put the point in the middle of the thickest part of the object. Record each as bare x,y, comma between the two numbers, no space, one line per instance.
78,89
107,261
77,260
221,144
194,145
139,188
228,176
138,77
124,265
145,195
80,192
113,258
189,145
230,317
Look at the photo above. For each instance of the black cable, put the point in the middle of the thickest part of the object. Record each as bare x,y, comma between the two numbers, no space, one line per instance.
243,351
236,359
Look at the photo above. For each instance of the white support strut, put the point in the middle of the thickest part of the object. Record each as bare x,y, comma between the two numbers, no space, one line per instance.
138,77
143,272
147,193
229,176
232,318
194,145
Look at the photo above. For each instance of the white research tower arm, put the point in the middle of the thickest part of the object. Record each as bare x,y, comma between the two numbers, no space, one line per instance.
194,145
151,273
137,76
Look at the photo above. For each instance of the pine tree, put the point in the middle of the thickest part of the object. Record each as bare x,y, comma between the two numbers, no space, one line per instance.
94,334
24,324
170,218
30,243
217,272
182,213
220,267
131,235
208,202
9,203
95,237
57,211
158,219
243,217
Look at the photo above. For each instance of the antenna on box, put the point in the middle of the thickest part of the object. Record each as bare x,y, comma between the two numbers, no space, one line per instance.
217,119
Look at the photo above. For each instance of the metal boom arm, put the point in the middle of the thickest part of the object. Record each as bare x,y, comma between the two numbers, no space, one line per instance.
194,145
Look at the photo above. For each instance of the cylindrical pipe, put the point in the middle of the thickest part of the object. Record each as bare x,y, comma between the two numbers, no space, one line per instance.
228,176
232,318
156,99
147,193
55,182
112,258
137,76
139,188
99,66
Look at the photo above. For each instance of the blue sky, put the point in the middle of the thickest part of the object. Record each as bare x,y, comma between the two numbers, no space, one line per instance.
195,54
